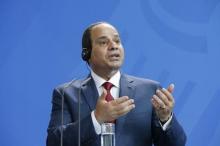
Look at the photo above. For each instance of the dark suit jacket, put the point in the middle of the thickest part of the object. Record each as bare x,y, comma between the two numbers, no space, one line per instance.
140,127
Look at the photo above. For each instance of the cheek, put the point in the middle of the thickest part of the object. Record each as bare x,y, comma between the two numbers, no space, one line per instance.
122,53
98,55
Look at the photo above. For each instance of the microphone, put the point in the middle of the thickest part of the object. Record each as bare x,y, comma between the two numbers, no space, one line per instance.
62,109
79,112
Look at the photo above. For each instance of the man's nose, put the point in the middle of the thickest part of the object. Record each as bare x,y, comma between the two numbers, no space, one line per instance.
113,46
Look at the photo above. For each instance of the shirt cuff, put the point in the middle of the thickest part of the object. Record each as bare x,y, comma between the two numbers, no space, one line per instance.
165,125
96,124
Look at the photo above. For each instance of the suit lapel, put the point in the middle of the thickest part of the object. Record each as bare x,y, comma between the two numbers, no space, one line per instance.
90,92
90,95
126,89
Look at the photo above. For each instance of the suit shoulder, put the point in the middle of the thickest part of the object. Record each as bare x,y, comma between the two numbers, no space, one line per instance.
139,80
75,83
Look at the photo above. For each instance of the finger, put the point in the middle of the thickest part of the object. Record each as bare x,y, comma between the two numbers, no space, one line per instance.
155,104
124,104
171,88
159,101
120,100
125,110
163,97
168,94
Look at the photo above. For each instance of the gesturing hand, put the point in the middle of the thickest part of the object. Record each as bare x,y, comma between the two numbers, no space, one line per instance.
110,111
163,102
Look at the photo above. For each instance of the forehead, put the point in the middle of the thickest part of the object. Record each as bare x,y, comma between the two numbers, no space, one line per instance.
103,30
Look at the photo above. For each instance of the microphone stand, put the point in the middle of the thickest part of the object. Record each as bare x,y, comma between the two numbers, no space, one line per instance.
62,110
79,111
79,116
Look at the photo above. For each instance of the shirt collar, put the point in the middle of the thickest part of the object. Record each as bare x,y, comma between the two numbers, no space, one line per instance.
99,81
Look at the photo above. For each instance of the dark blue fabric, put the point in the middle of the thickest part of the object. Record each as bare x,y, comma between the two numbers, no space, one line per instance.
140,127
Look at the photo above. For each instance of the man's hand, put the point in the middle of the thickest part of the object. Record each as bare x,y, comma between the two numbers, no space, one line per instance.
163,102
110,111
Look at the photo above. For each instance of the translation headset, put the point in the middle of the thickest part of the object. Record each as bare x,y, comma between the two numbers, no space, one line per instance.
86,53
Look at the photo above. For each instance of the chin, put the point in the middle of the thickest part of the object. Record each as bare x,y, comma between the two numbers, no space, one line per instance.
116,66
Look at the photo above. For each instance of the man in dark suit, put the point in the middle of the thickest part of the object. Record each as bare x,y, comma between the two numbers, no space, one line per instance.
140,108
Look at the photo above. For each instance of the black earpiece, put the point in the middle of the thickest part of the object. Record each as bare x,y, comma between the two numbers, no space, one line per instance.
86,53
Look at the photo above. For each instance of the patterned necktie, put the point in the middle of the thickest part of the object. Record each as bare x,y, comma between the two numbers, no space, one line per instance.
108,87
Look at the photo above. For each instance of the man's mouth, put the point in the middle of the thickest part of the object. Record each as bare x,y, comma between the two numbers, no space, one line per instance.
114,56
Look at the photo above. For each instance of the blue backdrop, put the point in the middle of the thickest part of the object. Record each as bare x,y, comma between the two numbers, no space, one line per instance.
165,40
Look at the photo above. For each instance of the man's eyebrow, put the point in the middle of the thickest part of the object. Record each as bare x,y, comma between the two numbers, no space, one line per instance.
105,37
101,37
117,36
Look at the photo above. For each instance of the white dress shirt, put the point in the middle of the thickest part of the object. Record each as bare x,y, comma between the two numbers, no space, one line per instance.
115,80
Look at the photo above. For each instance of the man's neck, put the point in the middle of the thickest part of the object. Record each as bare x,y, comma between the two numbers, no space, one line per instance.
106,75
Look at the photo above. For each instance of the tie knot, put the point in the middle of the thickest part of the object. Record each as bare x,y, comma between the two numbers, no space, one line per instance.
107,85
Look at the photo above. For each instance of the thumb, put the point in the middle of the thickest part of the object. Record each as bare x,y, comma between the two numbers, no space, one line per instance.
171,88
104,93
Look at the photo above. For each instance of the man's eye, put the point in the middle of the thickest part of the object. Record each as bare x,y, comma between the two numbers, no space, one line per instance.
103,42
118,41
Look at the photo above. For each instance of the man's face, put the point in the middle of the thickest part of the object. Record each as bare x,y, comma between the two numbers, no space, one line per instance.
107,51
